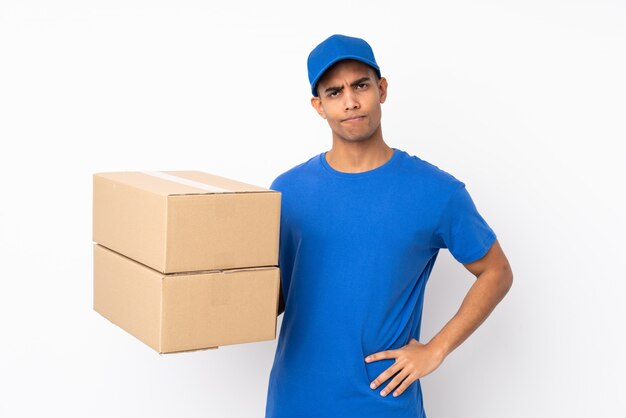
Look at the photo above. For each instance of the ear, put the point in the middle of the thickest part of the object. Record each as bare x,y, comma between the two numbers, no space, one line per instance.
316,102
382,89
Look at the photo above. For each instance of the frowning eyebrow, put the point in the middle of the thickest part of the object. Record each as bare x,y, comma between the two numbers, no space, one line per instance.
353,84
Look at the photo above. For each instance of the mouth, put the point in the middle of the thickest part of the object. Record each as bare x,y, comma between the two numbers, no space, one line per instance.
354,119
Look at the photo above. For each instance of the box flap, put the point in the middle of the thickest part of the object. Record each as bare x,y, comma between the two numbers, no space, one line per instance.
168,183
224,271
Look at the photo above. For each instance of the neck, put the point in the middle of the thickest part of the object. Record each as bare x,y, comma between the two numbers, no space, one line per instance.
358,156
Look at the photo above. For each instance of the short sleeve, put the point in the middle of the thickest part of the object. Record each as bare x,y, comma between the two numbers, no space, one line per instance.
462,230
276,184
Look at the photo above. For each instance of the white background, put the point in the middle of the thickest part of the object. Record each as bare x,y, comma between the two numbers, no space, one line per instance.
524,101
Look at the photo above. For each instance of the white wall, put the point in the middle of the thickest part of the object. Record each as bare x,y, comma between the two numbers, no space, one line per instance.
523,101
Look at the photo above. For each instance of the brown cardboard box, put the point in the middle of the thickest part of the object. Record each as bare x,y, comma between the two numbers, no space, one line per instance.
183,221
185,311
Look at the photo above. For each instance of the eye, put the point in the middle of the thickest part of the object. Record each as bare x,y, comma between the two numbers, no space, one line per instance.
333,93
361,85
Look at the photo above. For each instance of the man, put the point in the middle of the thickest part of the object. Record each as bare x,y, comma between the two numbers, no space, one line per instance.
361,227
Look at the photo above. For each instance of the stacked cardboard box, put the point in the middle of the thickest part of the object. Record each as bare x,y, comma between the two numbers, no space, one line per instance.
186,260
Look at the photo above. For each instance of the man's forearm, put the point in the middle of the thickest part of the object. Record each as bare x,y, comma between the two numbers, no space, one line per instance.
487,291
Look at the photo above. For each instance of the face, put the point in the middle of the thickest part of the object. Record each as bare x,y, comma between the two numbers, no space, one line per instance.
349,98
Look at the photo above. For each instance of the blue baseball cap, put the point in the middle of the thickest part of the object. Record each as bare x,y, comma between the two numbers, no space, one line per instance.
334,49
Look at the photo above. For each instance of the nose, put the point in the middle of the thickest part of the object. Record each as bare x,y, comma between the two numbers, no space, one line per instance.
351,102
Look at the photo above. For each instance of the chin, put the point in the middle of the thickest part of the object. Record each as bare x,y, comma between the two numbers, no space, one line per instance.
357,138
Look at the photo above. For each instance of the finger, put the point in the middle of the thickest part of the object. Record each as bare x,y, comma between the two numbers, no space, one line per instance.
393,369
394,382
380,355
405,384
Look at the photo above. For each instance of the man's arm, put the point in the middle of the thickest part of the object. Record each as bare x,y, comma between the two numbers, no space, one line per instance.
415,360
493,281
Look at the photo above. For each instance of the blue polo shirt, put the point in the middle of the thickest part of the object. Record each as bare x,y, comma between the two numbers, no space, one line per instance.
356,251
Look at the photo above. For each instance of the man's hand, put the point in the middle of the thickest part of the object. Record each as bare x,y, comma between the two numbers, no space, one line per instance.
413,361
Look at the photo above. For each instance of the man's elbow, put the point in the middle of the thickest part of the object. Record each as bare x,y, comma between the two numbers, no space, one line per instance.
505,275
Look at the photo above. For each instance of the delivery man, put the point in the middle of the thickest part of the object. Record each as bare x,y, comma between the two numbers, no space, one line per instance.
361,228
